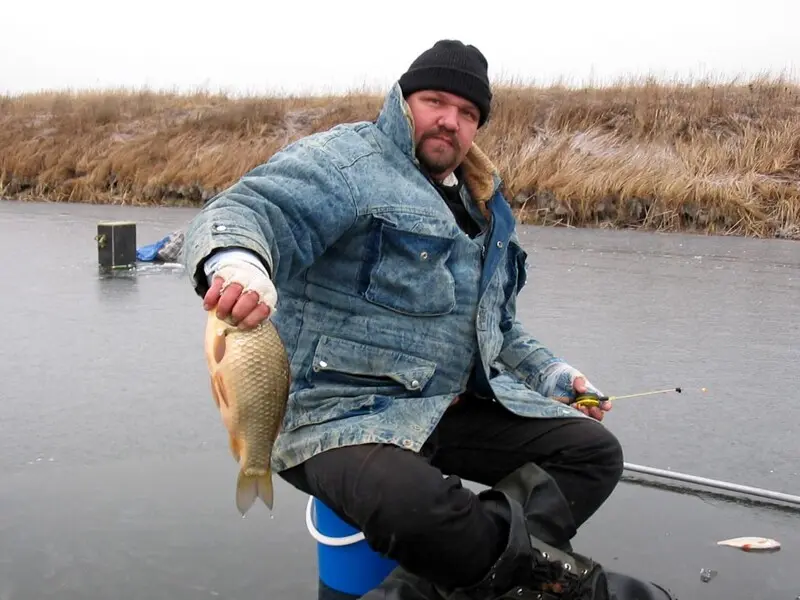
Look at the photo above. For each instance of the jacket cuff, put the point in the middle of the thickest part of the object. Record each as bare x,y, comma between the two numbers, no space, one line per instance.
212,264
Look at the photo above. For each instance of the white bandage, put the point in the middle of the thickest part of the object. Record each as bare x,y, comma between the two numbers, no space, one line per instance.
251,278
558,381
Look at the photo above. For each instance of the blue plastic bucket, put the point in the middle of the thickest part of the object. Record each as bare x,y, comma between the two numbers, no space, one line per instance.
345,561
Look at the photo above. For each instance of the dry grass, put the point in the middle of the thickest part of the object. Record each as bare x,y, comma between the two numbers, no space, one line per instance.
715,158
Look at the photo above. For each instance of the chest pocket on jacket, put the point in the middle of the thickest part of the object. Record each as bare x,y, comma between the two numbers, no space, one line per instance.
407,272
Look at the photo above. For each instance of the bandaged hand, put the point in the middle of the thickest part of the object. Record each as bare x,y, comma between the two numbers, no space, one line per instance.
564,383
241,290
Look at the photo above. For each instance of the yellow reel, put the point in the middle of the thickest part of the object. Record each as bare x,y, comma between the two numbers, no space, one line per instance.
589,400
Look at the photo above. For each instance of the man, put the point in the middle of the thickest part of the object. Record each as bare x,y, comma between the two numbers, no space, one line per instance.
395,259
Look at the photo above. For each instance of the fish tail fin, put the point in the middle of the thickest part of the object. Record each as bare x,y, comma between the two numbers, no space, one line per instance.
265,488
250,487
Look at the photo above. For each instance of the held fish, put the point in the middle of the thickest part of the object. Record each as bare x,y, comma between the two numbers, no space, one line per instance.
250,380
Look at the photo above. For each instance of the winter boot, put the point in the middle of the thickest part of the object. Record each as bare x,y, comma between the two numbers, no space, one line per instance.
537,563
547,512
529,567
527,502
523,571
549,520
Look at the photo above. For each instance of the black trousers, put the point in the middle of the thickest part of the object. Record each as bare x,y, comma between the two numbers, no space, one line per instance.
432,525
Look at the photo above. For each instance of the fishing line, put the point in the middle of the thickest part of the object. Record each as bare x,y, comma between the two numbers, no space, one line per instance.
592,399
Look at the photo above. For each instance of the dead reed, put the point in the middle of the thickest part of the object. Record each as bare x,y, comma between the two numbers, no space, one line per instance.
720,158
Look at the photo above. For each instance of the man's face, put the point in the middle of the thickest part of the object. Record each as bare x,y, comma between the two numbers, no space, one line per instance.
444,127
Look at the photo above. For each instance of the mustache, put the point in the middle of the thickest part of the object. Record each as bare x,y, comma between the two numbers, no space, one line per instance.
443,133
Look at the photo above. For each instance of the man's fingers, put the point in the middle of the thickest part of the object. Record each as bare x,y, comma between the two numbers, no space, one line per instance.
255,317
228,299
244,309
245,304
591,411
212,295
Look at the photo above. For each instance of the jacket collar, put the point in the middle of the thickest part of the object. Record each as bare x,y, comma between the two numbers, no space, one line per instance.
397,123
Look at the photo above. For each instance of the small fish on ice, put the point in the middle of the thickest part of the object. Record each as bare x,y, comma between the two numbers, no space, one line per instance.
752,544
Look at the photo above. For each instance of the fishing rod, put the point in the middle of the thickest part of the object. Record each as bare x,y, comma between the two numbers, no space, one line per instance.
592,399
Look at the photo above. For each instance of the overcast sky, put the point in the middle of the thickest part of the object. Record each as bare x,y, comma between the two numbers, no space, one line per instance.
298,46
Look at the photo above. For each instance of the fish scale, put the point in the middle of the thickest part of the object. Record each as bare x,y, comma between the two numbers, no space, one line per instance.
250,377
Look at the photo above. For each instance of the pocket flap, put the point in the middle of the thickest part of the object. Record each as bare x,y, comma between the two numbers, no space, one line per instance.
336,354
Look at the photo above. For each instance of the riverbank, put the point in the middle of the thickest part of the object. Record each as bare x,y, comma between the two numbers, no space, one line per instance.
710,158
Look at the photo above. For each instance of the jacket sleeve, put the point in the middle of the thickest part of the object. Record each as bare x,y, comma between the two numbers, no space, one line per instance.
521,353
525,356
287,212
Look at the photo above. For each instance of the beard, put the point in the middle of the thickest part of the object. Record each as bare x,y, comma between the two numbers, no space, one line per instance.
442,159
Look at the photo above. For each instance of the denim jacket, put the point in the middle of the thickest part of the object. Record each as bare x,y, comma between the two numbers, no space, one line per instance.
385,305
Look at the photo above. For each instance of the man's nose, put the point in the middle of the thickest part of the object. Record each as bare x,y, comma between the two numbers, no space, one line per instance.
449,118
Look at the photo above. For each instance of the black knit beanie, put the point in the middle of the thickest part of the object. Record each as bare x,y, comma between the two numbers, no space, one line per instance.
451,66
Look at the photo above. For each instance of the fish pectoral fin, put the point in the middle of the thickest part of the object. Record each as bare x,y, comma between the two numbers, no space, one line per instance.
236,447
218,390
250,487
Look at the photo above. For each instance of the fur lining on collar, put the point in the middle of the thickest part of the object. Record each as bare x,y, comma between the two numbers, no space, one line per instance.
479,176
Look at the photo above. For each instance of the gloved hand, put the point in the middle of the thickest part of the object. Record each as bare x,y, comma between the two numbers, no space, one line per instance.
242,290
564,382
